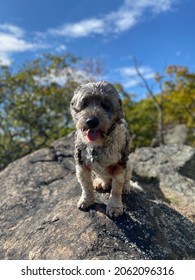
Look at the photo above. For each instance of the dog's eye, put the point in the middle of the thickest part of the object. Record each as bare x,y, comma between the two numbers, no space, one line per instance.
84,104
106,107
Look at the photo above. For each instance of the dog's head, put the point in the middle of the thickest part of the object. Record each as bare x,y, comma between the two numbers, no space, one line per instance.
96,107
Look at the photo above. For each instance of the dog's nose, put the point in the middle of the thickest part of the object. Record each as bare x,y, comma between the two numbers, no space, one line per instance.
92,122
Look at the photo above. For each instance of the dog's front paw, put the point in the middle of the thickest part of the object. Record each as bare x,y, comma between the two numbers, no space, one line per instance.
85,202
114,208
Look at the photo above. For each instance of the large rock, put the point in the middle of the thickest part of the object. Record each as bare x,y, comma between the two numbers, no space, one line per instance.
176,134
39,218
172,166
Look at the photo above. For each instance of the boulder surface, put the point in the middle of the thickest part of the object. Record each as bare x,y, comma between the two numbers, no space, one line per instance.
39,218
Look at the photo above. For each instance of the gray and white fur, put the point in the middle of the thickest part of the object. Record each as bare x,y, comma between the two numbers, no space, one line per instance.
102,144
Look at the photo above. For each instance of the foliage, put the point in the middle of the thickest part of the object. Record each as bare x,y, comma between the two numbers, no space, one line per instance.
177,100
180,96
141,119
34,105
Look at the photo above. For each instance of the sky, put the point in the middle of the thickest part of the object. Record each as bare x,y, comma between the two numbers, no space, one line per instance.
157,33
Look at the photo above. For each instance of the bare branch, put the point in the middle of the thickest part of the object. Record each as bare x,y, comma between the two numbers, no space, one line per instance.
157,103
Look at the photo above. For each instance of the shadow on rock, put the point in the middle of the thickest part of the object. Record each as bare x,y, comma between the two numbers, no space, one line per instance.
147,230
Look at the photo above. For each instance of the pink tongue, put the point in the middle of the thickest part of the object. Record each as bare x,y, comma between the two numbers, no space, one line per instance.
93,135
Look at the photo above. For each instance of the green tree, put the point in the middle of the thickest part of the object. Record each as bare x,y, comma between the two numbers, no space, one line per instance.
174,104
179,103
142,120
34,104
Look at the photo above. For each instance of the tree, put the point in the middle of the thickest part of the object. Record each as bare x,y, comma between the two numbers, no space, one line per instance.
180,98
34,103
174,104
141,118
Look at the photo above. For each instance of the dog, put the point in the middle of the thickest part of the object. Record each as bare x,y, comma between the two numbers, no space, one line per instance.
102,144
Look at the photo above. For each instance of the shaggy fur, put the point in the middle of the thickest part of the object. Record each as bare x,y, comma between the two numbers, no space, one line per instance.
102,144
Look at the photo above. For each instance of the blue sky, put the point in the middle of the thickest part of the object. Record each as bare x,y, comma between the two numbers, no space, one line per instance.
157,32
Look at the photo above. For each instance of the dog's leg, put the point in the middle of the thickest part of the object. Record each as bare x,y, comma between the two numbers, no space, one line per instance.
84,177
114,205
128,173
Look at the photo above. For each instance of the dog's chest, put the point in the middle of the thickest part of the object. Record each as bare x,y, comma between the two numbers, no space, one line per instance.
96,156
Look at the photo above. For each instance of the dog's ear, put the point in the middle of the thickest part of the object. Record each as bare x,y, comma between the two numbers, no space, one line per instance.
120,101
73,102
73,105
120,111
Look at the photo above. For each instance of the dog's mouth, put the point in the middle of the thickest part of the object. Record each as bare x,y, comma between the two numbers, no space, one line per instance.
93,134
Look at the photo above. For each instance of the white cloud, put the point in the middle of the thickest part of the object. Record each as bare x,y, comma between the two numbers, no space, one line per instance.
5,59
120,21
60,48
131,71
12,29
129,77
10,43
126,17
12,40
80,29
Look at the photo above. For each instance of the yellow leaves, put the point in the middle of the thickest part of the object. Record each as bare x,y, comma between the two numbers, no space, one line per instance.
179,97
178,70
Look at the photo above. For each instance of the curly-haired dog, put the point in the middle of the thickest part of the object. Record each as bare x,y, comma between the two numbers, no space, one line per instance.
102,144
